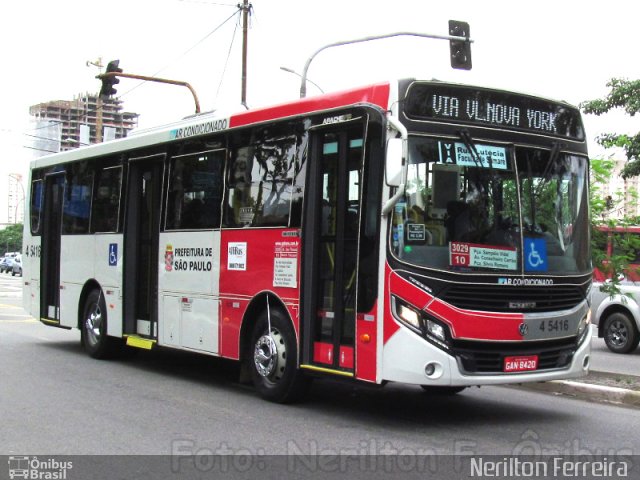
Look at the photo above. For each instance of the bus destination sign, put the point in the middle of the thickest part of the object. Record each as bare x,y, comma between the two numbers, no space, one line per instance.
469,105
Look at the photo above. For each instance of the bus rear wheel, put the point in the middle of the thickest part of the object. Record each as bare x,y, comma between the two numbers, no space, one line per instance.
273,359
93,329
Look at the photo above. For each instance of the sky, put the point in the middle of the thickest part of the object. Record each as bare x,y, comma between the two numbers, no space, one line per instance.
561,49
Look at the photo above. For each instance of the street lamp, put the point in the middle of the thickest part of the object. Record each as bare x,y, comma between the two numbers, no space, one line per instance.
288,70
461,44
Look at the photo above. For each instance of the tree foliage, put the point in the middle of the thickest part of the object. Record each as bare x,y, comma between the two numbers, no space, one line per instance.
11,238
623,94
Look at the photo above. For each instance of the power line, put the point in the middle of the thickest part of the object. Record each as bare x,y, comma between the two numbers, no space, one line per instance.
224,70
95,110
55,140
217,4
185,52
39,149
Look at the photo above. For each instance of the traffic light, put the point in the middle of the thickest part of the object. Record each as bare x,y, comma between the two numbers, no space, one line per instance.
460,50
108,81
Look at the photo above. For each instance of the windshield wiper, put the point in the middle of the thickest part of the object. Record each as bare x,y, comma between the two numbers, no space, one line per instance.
471,147
553,156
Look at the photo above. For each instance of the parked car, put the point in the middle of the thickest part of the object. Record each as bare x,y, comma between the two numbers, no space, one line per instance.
16,269
618,316
8,264
4,264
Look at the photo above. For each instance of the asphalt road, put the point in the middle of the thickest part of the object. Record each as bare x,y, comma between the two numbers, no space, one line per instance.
54,399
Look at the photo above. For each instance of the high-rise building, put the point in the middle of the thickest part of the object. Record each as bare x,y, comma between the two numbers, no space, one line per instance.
80,120
16,199
622,194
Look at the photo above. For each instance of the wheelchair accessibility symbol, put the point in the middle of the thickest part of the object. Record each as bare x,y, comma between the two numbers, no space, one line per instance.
535,255
113,254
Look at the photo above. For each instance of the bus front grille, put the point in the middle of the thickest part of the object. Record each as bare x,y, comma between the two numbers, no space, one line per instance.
488,357
506,298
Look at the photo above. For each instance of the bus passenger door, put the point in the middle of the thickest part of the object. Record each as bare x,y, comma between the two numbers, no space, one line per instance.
142,229
331,239
51,241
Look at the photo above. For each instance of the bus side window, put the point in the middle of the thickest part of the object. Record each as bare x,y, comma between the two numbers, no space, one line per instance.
260,179
77,198
195,191
105,207
36,205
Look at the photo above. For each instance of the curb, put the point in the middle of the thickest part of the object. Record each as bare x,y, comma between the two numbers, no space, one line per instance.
588,391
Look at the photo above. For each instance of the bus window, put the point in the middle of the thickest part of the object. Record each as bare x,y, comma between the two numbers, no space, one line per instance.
36,206
105,209
261,181
77,199
195,191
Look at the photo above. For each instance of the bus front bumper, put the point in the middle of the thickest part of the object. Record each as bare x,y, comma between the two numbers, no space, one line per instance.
408,358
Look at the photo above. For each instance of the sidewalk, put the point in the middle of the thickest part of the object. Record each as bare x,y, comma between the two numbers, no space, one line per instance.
602,387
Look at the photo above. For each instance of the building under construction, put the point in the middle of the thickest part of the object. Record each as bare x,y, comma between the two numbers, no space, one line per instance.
84,120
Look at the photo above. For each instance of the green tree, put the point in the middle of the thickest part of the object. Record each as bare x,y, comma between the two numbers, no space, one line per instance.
622,94
11,238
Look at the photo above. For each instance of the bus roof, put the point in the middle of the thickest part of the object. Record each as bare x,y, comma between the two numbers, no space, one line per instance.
212,122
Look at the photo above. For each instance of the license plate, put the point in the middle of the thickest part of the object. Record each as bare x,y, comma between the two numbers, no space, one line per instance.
521,364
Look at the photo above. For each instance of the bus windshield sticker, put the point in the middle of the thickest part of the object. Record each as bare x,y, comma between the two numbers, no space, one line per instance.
535,255
416,232
237,256
285,264
462,254
458,154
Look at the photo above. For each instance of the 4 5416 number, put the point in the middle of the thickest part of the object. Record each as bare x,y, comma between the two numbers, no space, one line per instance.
554,325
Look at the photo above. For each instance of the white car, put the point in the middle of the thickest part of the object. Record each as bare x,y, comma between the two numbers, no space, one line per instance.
617,317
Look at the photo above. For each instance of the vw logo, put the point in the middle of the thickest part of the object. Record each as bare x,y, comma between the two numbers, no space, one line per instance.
523,329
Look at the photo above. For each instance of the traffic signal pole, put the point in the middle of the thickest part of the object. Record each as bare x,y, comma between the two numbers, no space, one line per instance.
109,75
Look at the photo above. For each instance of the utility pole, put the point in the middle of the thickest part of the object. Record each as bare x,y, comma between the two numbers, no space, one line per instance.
246,10
99,105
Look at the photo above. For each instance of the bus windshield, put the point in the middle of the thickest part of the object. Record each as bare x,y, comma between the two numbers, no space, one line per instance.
481,207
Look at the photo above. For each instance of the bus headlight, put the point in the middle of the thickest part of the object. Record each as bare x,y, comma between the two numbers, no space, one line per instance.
426,326
583,328
436,330
407,315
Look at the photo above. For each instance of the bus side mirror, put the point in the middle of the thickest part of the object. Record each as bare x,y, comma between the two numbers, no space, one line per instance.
394,163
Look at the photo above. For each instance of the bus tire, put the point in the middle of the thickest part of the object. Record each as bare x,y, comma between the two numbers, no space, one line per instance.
443,391
93,327
274,370
620,333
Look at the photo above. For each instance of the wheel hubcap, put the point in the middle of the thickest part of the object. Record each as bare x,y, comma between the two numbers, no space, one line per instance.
93,324
618,334
269,355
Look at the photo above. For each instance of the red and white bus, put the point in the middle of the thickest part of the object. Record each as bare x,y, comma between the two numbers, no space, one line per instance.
414,231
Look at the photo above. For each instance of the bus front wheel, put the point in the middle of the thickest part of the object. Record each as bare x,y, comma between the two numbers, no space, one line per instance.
273,357
444,391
